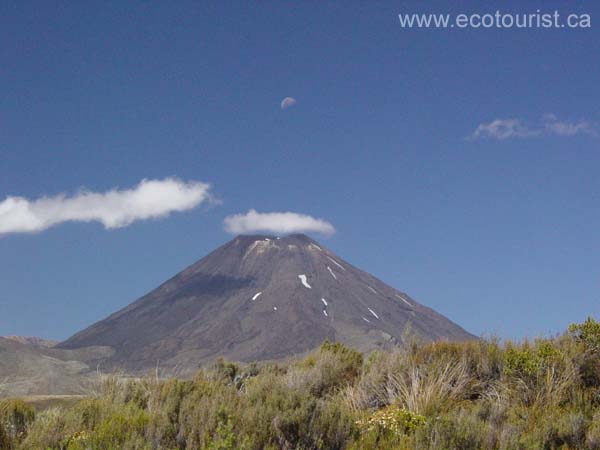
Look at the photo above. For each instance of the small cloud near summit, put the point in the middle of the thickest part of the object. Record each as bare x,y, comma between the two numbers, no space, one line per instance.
288,102
276,223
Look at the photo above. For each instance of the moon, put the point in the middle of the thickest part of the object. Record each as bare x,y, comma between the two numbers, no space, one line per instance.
288,102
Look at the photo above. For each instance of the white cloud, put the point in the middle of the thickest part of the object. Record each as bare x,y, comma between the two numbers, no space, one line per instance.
276,222
560,128
501,129
150,199
288,102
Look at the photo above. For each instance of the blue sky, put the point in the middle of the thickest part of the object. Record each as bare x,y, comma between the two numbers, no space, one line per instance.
499,234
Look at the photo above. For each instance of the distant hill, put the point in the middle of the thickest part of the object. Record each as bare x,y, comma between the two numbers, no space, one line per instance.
34,341
261,298
34,369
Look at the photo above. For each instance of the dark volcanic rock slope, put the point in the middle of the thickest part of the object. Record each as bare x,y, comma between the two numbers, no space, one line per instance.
260,298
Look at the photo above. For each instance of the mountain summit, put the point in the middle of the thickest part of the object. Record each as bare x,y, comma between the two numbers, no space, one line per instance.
261,298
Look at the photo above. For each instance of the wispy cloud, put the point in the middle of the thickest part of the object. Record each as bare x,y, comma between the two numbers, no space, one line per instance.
150,199
276,222
561,128
288,102
501,129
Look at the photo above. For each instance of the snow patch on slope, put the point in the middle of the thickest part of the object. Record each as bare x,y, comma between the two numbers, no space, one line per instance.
324,301
304,282
336,263
256,296
373,312
404,300
260,247
371,289
331,272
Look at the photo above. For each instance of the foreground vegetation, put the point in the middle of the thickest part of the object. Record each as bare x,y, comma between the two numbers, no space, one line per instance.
542,394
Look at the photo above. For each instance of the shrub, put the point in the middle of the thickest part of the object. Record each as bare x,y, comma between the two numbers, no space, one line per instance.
462,430
350,361
587,333
201,410
539,375
47,432
392,419
164,406
5,441
593,434
429,389
121,427
526,362
390,427
554,429
15,418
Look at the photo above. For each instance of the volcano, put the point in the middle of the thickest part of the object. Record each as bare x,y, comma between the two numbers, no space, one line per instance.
261,298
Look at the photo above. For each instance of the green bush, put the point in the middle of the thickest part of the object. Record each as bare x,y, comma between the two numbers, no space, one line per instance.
592,439
587,333
164,403
349,360
460,430
5,441
528,362
15,418
392,420
47,432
